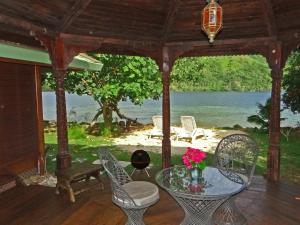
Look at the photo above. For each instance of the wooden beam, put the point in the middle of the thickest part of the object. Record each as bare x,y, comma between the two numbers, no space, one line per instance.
247,41
78,8
173,7
86,40
23,24
270,18
222,47
290,36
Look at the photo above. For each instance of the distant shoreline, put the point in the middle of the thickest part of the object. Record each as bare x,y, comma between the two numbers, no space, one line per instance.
210,109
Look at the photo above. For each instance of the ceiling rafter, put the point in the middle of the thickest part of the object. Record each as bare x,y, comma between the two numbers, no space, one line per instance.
75,11
270,18
172,10
23,24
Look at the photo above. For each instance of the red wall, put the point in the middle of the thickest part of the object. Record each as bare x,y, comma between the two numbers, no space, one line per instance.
19,125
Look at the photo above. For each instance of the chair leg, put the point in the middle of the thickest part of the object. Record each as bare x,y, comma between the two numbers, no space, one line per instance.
133,171
147,172
229,214
193,140
135,216
71,192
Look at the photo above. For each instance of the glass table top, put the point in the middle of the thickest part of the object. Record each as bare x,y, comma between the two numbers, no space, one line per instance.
215,183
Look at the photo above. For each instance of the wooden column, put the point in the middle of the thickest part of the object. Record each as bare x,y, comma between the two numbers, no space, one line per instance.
63,156
40,122
165,65
276,61
61,55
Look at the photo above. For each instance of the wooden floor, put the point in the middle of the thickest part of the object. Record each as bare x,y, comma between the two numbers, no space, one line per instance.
263,204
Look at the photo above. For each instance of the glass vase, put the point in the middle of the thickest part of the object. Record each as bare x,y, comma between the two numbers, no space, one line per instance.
196,176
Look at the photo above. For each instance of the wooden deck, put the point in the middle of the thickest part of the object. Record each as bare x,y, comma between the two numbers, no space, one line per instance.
263,204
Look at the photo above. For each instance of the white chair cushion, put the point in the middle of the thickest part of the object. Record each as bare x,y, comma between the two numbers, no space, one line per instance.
142,192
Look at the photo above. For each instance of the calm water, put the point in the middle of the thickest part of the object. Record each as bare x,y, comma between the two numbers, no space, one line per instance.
210,109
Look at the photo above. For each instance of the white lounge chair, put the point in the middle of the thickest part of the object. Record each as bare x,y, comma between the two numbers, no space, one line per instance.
157,129
189,129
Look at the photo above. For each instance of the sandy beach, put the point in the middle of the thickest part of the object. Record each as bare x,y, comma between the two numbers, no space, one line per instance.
139,139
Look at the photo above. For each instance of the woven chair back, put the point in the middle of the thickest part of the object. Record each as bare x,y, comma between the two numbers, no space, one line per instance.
237,154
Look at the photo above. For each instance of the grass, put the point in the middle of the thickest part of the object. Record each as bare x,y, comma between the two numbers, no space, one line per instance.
84,147
81,146
290,155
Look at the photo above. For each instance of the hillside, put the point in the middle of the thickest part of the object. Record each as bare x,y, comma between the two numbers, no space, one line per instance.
234,73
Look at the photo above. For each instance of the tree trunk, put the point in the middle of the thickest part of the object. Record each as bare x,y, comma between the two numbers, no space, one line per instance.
107,115
92,126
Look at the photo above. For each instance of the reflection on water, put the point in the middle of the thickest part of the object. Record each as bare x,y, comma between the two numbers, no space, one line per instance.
210,109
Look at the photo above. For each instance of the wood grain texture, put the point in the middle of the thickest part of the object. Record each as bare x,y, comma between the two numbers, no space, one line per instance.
144,28
19,134
40,119
150,20
263,204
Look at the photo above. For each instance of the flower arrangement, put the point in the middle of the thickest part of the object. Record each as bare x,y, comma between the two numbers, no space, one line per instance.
194,158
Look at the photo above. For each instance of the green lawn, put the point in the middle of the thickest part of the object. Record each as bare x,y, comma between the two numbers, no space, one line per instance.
84,147
290,155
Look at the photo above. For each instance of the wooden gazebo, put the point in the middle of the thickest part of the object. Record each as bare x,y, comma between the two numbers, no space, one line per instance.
162,30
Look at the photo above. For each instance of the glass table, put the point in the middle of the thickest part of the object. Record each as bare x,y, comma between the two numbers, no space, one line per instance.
199,201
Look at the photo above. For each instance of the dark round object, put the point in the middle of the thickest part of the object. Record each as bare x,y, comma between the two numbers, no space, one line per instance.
140,159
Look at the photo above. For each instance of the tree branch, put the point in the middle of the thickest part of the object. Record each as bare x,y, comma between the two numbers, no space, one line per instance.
121,116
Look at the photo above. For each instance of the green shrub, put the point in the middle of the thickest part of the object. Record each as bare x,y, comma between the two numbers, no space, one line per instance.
76,132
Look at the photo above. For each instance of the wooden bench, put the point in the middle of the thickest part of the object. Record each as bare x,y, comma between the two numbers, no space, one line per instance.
77,172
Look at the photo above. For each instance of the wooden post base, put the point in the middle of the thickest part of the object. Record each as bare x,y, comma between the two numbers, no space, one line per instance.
63,161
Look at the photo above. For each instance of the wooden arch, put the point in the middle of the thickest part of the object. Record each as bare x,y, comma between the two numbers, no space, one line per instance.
162,30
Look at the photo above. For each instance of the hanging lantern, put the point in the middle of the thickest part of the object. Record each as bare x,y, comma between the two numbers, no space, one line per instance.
212,19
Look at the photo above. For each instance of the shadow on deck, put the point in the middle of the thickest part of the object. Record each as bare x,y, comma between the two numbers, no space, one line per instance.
264,203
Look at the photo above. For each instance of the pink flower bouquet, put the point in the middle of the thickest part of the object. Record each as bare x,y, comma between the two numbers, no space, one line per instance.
194,158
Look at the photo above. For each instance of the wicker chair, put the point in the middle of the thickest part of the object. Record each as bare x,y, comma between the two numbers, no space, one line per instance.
236,157
133,197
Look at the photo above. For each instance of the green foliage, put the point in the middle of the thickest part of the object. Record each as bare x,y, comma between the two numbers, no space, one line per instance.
81,146
291,83
230,73
106,132
121,78
200,165
263,116
86,149
76,132
290,155
130,77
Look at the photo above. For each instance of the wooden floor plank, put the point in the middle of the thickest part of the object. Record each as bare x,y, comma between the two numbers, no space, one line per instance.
263,204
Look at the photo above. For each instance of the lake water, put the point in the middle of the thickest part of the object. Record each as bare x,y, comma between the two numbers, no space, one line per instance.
210,109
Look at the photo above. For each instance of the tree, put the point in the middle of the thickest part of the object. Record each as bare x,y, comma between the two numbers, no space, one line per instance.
263,116
121,78
222,73
291,83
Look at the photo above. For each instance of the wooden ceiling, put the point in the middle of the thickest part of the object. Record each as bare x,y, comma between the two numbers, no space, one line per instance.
142,27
